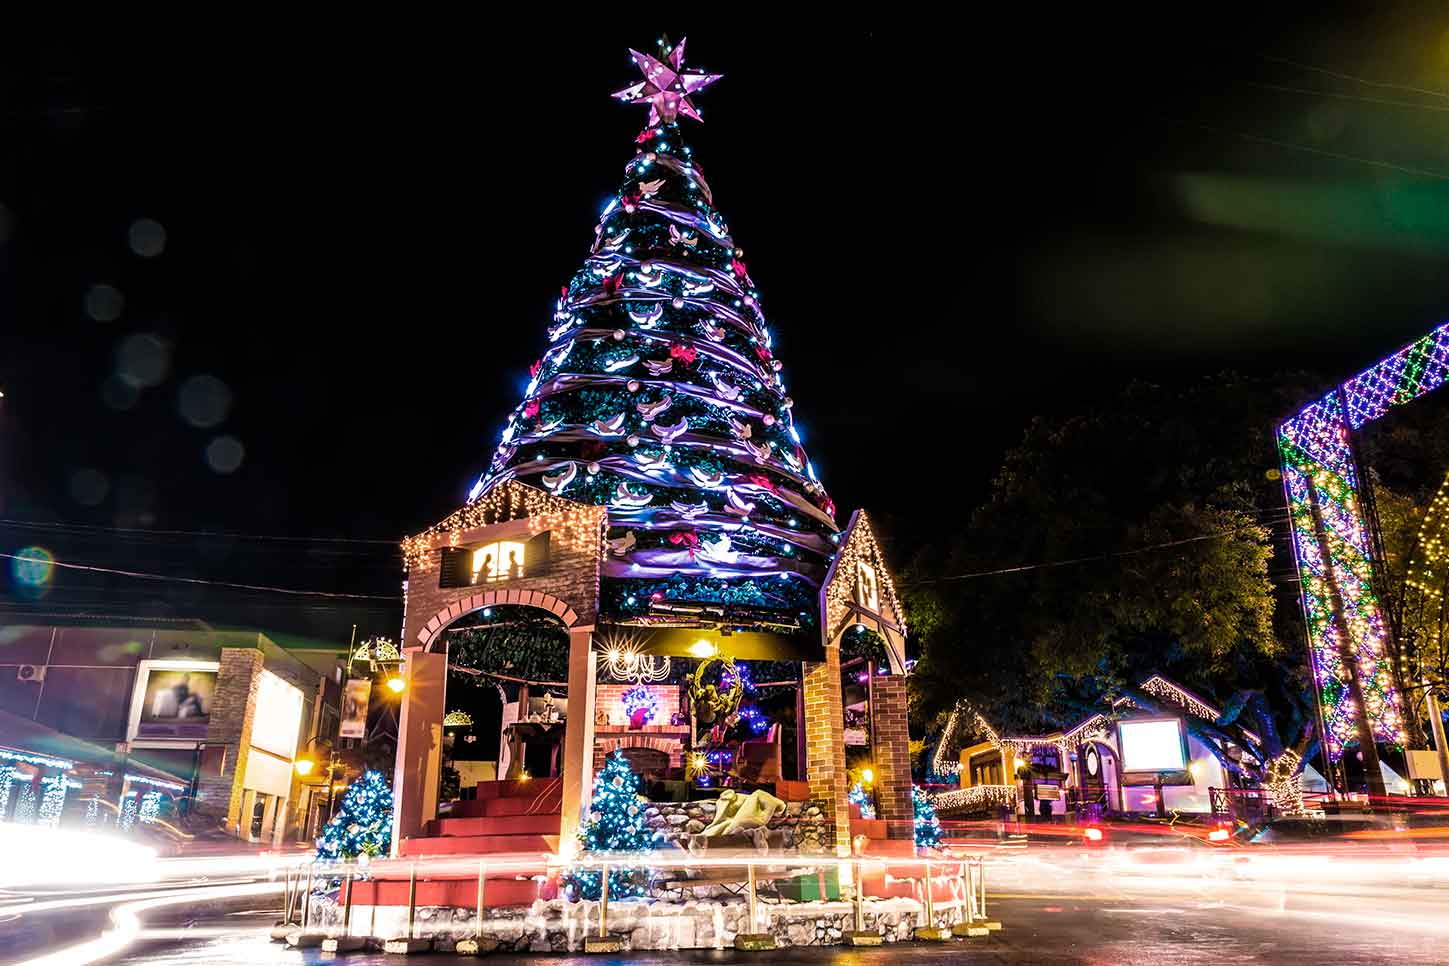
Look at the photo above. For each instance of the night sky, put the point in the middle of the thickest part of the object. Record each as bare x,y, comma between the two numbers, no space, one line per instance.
287,284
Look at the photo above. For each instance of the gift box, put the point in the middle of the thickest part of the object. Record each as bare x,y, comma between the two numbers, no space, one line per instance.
821,884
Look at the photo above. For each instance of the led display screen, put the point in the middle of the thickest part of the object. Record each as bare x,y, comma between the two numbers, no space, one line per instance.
1152,745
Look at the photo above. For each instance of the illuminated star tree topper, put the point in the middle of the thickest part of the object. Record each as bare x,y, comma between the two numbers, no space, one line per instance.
667,84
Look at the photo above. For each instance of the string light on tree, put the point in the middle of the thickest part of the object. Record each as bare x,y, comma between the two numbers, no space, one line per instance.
928,827
363,823
615,824
659,405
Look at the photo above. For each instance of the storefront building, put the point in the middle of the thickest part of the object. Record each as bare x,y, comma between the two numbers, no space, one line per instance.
174,724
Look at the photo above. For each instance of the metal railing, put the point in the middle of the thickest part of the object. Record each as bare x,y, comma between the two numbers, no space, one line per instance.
964,876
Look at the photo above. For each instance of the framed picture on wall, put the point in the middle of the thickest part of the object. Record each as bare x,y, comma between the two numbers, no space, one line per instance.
173,700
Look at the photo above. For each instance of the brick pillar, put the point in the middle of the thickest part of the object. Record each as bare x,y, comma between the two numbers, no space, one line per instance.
825,746
233,704
891,756
419,745
578,763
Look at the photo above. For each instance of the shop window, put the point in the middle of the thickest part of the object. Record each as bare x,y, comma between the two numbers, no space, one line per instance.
986,769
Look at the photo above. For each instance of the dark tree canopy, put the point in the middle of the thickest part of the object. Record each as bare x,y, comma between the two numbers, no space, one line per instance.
1154,514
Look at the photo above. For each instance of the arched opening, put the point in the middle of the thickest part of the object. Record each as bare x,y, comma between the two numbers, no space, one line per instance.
507,692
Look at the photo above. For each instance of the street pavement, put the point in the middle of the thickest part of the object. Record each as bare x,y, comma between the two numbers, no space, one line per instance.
1056,931
1154,907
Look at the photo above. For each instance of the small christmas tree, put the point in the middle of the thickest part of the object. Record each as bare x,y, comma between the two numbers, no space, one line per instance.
928,827
363,823
616,824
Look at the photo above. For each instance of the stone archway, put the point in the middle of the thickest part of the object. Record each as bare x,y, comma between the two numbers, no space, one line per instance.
428,635
419,758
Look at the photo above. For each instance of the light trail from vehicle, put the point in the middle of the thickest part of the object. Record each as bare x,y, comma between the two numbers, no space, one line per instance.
126,921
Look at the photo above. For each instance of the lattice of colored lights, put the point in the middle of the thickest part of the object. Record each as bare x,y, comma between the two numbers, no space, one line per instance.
1322,489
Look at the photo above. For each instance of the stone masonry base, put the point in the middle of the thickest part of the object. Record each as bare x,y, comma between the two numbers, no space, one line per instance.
559,926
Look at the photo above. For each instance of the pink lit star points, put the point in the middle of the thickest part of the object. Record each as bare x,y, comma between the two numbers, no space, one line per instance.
667,85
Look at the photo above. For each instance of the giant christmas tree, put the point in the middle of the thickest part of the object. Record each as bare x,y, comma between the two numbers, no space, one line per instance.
660,397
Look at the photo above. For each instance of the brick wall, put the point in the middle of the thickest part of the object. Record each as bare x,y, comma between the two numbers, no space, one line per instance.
610,698
570,582
891,756
825,745
658,737
233,705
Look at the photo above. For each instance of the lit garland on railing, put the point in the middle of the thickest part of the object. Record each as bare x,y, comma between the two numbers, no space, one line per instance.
7,778
43,760
150,810
155,782
127,820
1319,474
52,799
25,805
975,798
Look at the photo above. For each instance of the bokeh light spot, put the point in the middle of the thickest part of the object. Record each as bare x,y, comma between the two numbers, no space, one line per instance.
146,237
204,401
104,303
225,454
32,569
142,360
89,487
117,395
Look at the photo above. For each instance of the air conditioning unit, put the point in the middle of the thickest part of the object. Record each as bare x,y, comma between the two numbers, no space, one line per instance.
30,672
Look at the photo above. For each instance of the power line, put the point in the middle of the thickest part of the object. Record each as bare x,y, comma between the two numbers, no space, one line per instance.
65,527
1095,558
1348,97
194,580
1290,146
1354,77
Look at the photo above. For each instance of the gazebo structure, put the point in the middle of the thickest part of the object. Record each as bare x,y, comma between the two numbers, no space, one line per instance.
650,495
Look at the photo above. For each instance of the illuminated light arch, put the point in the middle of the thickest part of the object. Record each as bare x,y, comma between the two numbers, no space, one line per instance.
1332,542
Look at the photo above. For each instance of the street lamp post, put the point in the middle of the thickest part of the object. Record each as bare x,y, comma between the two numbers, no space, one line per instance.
304,767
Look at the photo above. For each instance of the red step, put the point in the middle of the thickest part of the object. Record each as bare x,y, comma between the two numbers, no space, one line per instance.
476,844
871,828
461,892
496,825
519,788
501,807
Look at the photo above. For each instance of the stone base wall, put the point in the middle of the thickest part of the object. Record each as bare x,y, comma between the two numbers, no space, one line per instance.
803,824
557,926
